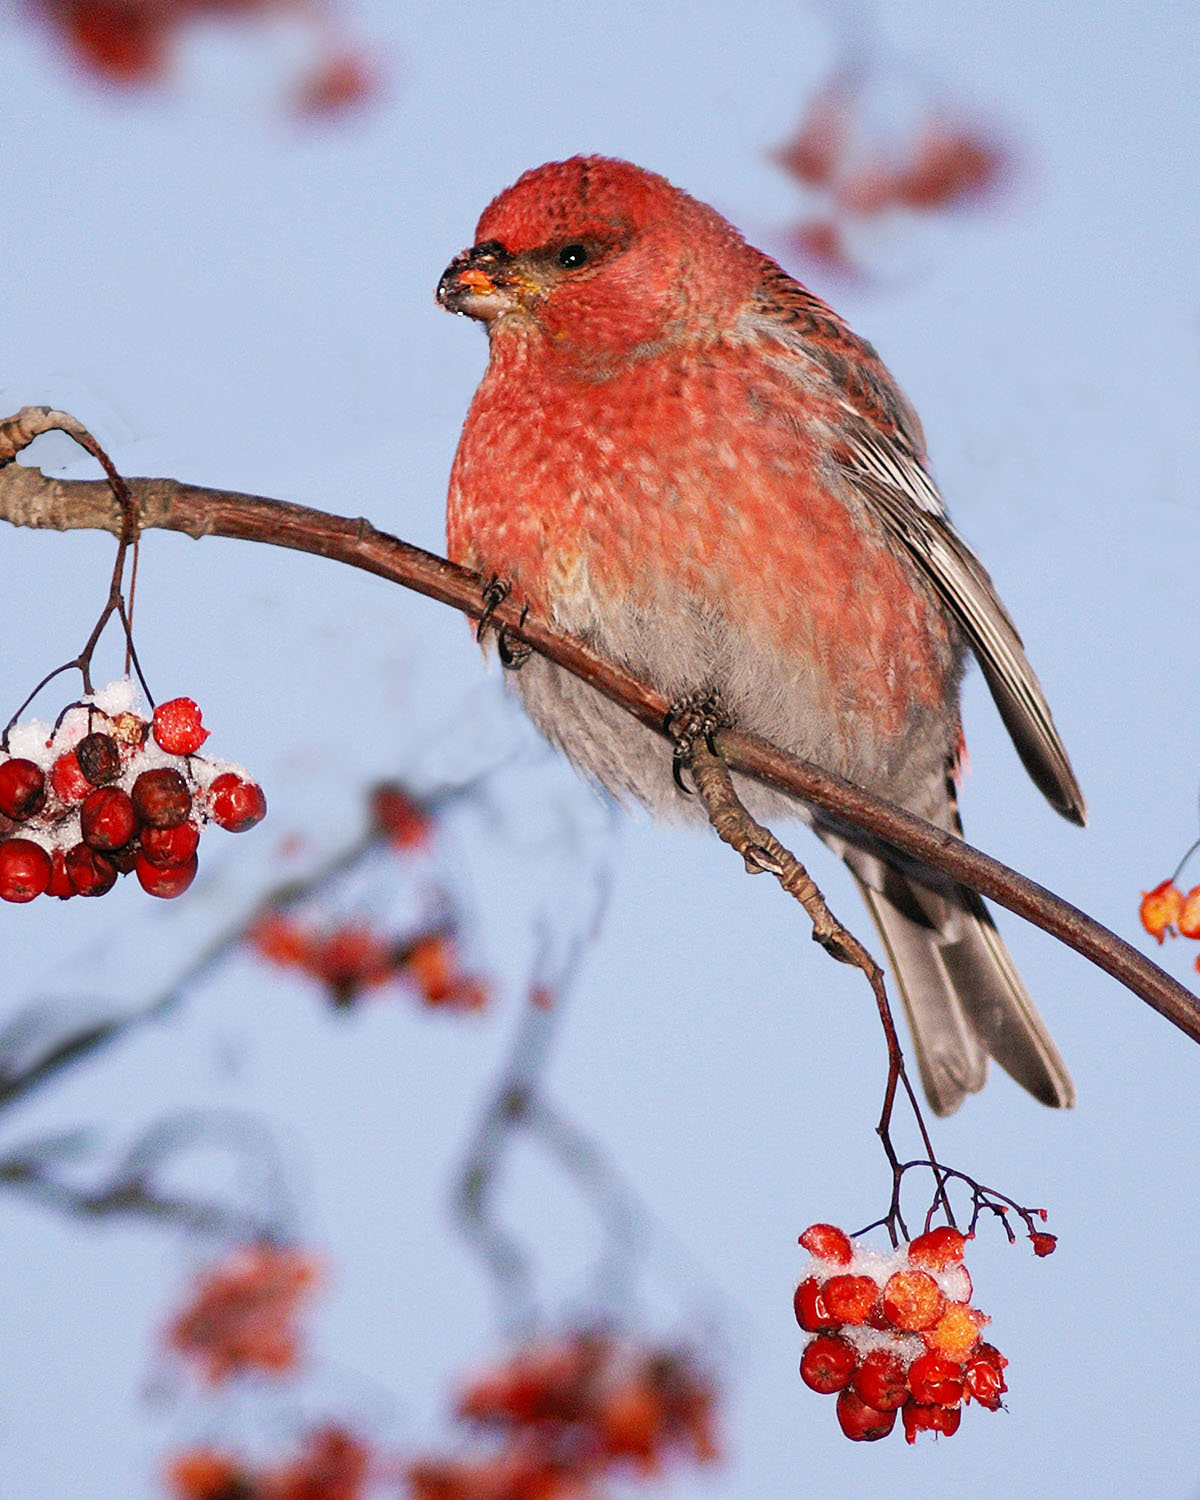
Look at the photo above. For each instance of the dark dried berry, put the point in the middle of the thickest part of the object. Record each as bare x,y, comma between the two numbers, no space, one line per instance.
99,758
161,798
90,872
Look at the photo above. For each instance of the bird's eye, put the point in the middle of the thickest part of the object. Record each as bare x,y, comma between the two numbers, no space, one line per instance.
572,256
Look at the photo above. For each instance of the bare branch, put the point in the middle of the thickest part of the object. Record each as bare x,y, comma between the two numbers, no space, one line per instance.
29,498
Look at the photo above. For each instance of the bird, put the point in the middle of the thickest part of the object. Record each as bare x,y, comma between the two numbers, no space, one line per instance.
682,456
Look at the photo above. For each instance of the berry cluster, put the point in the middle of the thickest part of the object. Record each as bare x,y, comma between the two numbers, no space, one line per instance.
244,1313
1166,911
894,1333
349,958
863,173
332,1464
570,1414
106,792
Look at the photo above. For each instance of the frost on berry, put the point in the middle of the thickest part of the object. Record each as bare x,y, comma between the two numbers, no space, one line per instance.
177,727
893,1332
98,794
827,1242
67,778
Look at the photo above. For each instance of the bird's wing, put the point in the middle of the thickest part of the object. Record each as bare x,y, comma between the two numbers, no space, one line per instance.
879,446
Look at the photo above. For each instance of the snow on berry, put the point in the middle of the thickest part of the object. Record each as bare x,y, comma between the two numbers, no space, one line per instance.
177,727
106,791
893,1331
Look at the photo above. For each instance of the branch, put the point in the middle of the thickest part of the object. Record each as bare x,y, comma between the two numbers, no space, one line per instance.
29,498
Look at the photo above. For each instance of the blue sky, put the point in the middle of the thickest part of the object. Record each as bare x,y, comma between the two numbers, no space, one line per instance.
228,298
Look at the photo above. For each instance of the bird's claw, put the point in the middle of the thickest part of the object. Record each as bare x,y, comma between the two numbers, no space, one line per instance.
513,653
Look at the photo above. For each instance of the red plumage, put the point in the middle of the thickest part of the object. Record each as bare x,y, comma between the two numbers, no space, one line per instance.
681,455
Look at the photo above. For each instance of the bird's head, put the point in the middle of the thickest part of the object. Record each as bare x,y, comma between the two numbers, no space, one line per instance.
600,258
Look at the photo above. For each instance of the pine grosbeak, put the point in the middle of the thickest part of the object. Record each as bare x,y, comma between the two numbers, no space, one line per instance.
682,456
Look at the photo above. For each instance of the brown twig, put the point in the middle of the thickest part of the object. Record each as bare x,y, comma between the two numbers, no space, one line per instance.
28,498
762,851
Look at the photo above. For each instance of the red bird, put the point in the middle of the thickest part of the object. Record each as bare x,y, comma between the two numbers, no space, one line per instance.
682,456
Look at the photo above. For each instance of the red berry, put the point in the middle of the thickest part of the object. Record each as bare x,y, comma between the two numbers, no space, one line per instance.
170,846
236,804
166,881
161,798
860,1422
882,1380
812,1311
938,1248
90,872
984,1377
22,788
936,1381
107,819
24,870
912,1300
827,1242
60,882
827,1364
944,1419
99,758
177,727
67,778
1043,1244
851,1299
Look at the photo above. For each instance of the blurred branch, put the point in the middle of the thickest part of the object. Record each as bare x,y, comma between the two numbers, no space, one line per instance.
129,1187
29,498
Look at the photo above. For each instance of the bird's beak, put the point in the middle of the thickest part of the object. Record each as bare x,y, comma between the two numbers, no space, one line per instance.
482,283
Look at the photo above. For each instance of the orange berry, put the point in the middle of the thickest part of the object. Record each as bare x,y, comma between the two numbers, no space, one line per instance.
1188,921
1160,909
912,1300
851,1299
956,1332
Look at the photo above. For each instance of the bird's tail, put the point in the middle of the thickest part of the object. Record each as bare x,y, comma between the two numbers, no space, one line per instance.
962,994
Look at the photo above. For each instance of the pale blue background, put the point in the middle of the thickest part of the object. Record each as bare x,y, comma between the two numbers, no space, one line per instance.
230,299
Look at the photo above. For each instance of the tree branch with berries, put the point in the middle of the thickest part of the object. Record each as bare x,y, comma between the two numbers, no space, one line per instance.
108,790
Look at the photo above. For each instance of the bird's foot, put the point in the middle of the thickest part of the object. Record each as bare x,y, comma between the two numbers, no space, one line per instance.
692,720
513,653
